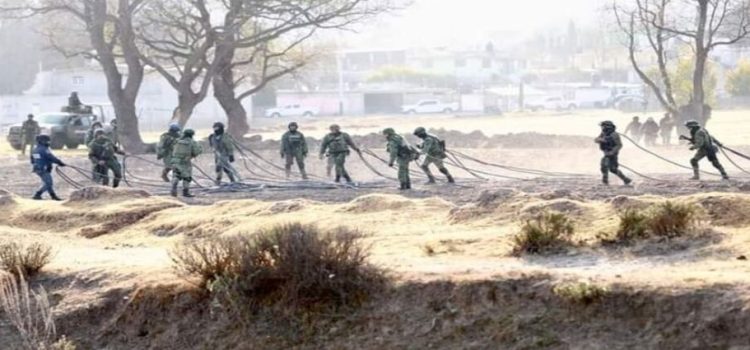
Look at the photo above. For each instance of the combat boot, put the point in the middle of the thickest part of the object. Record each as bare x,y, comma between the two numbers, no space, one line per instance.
430,180
408,185
696,174
624,178
338,179
115,183
304,174
218,180
37,196
450,179
348,179
186,193
54,196
402,186
173,192
165,175
605,180
231,178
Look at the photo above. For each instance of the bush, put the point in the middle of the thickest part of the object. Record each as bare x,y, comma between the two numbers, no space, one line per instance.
28,312
668,220
633,225
672,220
293,265
581,293
24,260
547,232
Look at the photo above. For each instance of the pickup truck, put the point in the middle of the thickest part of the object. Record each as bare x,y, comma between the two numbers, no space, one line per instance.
430,106
65,129
292,111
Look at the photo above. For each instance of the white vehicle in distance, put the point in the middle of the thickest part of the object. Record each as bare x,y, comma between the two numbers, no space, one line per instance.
292,111
551,103
430,106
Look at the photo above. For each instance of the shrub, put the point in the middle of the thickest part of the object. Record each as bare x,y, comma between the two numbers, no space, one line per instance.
668,220
547,232
293,265
581,292
28,312
633,225
672,220
24,260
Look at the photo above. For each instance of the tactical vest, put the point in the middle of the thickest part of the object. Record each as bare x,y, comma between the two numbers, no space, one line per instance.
103,151
217,142
608,143
709,146
295,140
183,149
167,145
338,144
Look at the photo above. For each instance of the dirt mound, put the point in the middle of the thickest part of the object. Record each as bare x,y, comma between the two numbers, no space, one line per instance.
121,216
497,205
565,206
6,198
725,209
105,193
376,203
288,206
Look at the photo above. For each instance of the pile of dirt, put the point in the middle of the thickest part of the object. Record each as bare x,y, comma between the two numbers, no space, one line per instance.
99,193
288,206
500,204
6,198
124,215
573,209
374,203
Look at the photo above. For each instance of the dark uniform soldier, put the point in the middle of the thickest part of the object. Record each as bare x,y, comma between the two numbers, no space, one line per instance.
74,102
650,131
705,146
42,160
400,152
610,143
294,148
223,147
102,152
635,129
182,166
165,147
666,127
29,131
337,144
434,150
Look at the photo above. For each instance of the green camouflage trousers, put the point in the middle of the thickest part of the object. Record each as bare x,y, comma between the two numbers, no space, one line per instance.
101,172
182,169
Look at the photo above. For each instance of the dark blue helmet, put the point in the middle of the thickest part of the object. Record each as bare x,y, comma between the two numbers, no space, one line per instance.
43,139
174,127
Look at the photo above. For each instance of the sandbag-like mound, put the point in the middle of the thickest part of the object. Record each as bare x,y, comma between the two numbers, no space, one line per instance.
105,193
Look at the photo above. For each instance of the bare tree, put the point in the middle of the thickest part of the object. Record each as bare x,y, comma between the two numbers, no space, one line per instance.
177,39
108,26
260,41
703,25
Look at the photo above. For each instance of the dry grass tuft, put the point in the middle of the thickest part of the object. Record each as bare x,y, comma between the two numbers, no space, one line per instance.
28,311
633,225
668,220
292,265
581,292
24,260
546,233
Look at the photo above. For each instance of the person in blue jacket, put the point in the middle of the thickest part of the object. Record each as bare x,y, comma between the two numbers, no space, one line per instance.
42,160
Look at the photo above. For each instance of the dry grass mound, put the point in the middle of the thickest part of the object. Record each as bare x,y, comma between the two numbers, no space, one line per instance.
24,260
564,206
580,292
292,265
118,217
96,193
725,209
547,233
500,204
374,203
666,220
6,198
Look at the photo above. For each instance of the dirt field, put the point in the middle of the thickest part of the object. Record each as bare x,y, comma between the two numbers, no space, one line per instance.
447,247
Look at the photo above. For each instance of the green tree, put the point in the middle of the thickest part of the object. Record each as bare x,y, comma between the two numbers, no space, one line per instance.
738,80
682,82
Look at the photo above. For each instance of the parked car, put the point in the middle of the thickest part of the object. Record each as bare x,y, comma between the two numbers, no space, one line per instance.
552,103
292,111
630,103
430,106
65,129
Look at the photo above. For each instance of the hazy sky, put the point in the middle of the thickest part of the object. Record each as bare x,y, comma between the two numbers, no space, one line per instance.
435,22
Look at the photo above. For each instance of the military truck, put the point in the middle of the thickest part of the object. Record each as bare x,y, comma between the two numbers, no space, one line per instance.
65,129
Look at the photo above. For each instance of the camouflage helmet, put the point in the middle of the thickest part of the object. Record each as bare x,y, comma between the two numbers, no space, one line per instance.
99,131
218,125
174,127
420,131
334,127
188,133
388,131
292,124
690,124
607,124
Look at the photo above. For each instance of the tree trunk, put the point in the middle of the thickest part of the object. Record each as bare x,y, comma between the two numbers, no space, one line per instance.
701,56
224,89
185,107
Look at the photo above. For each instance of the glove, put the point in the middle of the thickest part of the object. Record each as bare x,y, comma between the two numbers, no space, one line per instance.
231,159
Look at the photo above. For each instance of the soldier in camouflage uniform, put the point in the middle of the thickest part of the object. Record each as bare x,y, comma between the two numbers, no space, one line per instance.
400,152
705,146
165,147
182,166
610,143
90,133
29,131
223,147
102,153
337,145
294,148
434,150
